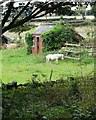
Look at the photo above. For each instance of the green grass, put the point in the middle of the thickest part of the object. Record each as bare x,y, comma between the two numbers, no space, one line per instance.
17,65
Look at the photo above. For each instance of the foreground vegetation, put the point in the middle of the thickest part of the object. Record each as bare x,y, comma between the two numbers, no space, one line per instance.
18,66
72,98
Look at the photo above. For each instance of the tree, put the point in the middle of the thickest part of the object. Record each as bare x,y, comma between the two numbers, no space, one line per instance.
19,15
94,10
81,10
64,10
31,10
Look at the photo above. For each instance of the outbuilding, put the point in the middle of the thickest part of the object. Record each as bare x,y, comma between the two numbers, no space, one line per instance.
5,40
37,38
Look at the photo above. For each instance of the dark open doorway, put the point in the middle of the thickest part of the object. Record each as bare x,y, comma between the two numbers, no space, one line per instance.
38,44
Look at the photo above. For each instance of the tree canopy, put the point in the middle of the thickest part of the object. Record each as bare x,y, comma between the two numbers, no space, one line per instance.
16,16
94,10
22,14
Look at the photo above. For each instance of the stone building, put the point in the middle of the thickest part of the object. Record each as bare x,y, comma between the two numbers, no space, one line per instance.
37,38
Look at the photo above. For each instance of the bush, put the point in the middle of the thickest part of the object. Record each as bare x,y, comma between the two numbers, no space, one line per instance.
28,38
94,10
48,101
56,38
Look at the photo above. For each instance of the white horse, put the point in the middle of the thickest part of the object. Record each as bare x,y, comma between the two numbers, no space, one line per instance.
54,57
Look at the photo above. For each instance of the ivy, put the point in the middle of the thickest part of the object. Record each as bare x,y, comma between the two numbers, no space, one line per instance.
57,37
28,38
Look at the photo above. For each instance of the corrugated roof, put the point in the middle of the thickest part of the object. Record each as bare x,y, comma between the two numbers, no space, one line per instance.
41,29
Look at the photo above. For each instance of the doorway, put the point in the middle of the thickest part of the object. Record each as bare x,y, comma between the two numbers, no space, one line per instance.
38,46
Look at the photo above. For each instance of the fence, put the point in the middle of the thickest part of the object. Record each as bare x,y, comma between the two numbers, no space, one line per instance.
72,50
89,45
79,51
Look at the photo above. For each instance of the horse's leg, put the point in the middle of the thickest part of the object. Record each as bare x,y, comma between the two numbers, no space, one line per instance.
57,60
62,57
47,60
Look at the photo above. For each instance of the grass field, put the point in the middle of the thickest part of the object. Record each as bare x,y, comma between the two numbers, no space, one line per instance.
17,65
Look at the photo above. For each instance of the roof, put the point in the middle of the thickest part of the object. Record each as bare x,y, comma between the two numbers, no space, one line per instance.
82,31
41,29
6,38
79,37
